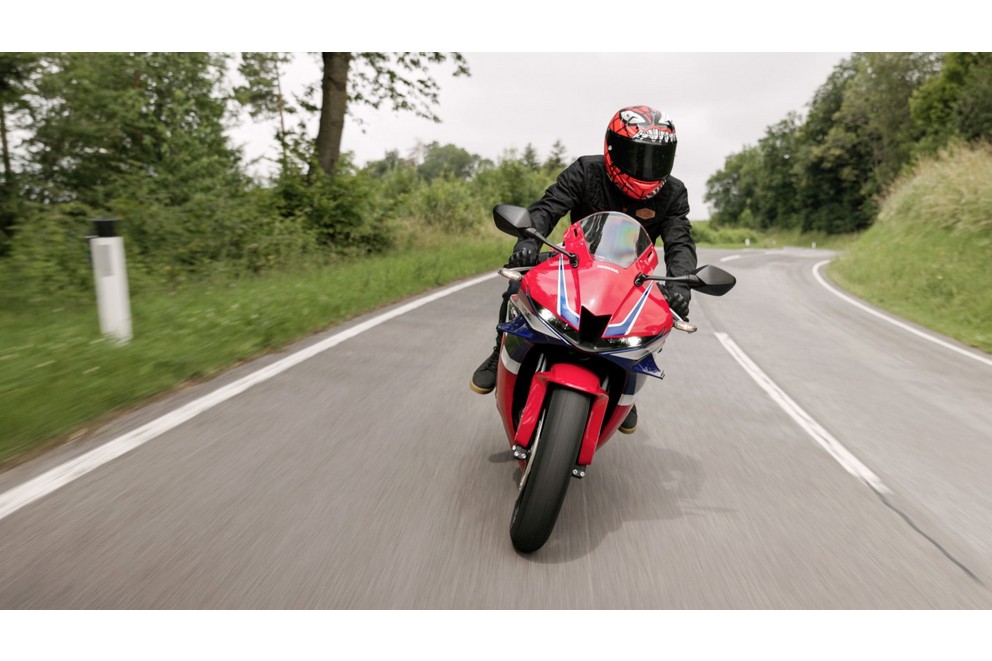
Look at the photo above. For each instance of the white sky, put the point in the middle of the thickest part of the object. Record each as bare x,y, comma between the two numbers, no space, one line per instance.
719,102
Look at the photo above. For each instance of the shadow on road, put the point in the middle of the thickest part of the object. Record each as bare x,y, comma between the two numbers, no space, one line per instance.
631,480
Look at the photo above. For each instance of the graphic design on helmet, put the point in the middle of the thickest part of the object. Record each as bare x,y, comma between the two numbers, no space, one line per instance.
640,150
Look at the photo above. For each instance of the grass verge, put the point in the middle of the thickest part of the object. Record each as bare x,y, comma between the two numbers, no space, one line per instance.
57,373
928,257
736,238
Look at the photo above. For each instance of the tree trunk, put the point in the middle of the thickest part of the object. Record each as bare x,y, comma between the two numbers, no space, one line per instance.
282,123
7,192
7,172
334,102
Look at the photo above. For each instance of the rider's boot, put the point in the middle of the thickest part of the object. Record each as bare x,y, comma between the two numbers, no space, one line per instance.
629,423
484,379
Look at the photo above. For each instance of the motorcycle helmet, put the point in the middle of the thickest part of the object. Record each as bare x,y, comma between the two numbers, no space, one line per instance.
639,150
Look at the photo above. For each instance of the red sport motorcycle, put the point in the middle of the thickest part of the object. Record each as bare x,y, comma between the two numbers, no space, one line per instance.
579,341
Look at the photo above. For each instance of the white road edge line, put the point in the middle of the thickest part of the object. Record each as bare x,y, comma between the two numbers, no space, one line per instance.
46,483
906,327
730,258
823,438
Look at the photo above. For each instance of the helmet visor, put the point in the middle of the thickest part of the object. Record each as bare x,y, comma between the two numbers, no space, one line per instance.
647,161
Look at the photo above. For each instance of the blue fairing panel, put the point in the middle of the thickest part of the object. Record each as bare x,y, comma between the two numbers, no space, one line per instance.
649,367
645,366
518,326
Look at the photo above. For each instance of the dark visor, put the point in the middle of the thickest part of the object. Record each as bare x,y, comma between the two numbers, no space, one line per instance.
647,161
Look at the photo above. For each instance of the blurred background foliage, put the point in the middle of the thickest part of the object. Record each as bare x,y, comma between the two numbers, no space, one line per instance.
875,117
141,137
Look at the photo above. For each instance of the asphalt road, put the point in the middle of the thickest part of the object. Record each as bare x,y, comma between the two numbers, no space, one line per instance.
369,476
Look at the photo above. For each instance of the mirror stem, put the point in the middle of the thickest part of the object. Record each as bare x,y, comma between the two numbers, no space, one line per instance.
690,280
573,259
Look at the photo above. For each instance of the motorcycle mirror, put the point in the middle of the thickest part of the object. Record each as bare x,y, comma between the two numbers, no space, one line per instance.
513,220
715,281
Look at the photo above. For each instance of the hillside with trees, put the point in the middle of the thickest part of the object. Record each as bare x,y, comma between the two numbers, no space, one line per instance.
894,147
876,115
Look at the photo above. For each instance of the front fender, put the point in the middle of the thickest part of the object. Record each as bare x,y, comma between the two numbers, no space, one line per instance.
574,377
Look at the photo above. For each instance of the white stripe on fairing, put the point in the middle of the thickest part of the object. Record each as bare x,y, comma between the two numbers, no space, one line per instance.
894,322
512,365
803,419
622,328
46,483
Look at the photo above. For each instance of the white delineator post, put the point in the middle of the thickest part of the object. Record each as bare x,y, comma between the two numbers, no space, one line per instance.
110,273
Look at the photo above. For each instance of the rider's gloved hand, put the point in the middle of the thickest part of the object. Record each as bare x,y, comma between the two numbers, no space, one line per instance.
677,301
524,254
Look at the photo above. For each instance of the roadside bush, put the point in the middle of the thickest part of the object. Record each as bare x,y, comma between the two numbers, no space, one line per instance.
706,233
342,211
511,182
445,204
49,255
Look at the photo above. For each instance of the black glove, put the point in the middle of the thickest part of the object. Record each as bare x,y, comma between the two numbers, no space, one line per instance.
677,301
524,254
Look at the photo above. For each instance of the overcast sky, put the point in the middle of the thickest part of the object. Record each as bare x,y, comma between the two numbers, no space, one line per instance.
719,102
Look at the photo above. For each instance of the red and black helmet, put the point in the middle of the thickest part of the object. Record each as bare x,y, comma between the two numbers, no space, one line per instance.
640,150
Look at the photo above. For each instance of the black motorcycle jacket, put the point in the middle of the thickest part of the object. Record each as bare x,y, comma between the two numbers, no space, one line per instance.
584,188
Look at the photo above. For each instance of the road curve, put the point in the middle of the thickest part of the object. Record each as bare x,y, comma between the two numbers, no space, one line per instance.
369,476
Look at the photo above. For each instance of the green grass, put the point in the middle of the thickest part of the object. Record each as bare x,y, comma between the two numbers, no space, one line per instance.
772,239
59,376
928,257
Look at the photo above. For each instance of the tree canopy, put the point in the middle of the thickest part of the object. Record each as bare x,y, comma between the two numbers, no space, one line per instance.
873,116
143,137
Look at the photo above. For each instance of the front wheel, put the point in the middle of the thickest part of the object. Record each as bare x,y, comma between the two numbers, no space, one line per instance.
546,478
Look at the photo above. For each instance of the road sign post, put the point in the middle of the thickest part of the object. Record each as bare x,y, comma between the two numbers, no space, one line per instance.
110,274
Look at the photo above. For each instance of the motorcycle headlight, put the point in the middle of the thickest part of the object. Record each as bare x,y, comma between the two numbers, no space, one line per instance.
642,345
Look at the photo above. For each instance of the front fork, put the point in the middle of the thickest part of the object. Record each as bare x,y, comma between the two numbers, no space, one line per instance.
564,375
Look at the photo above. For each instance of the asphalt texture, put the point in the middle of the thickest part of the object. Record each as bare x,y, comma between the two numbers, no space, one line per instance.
371,477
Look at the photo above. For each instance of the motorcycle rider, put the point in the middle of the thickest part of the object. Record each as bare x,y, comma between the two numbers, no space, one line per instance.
632,176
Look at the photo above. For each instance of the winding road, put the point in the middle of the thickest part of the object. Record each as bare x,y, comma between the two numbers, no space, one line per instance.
801,453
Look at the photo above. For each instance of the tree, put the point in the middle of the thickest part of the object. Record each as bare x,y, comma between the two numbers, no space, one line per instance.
262,93
529,158
16,69
402,79
876,113
776,203
557,158
391,162
447,160
826,196
974,120
956,104
731,190
109,125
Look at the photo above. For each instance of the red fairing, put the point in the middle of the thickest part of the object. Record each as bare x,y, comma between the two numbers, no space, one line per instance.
506,381
606,289
566,376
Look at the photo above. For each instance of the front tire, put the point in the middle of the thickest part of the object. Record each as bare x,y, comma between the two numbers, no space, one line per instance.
546,479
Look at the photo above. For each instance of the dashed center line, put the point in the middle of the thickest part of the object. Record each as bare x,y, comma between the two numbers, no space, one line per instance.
822,437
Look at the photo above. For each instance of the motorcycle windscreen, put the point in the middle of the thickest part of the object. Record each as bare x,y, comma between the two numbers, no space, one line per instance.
614,237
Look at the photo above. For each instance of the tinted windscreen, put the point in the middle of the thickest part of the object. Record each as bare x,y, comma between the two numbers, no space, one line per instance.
614,237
